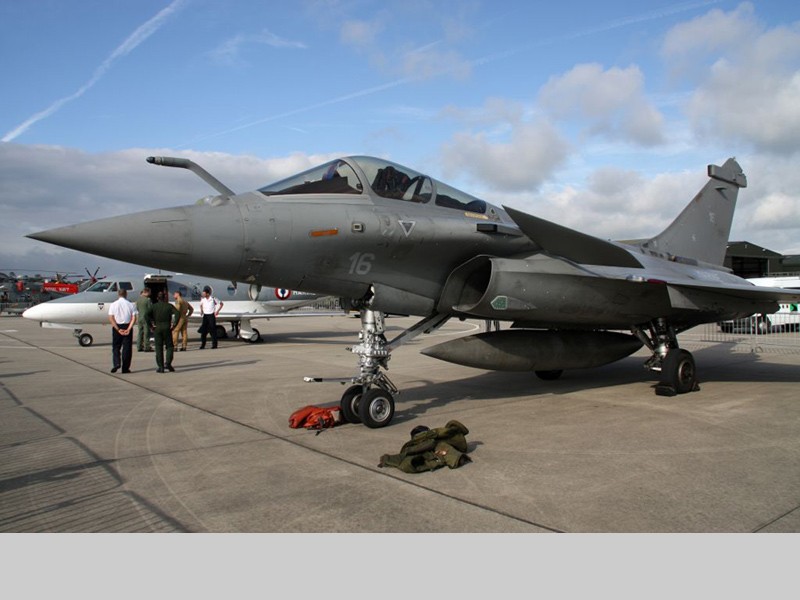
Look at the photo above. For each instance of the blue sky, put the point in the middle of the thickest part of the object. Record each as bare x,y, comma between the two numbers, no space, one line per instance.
599,115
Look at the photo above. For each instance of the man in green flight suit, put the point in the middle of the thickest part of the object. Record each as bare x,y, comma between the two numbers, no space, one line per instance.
143,304
162,318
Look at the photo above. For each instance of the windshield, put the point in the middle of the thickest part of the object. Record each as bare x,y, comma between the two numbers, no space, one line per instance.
100,286
110,286
335,177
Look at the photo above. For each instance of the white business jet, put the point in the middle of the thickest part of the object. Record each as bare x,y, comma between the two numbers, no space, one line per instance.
241,303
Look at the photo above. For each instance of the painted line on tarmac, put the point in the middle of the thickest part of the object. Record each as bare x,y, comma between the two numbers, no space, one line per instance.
295,443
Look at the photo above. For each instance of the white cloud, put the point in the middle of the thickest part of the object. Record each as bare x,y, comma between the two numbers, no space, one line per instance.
748,78
755,106
745,85
613,203
531,154
612,102
777,211
360,34
768,213
616,203
688,43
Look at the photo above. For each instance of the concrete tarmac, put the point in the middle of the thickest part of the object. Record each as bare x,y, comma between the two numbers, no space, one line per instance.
208,448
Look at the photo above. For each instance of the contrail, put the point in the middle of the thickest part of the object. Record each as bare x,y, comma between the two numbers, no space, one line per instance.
289,113
651,16
137,37
601,28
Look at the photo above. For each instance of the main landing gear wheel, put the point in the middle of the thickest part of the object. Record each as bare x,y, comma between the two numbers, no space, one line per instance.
678,374
376,408
221,333
349,403
85,339
255,337
680,371
676,366
549,375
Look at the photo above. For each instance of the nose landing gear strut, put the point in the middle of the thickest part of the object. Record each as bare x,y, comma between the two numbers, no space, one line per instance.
370,397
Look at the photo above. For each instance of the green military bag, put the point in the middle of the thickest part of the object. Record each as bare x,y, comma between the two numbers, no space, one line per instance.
430,449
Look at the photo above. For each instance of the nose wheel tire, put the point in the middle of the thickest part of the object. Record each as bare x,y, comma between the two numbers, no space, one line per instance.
85,339
376,408
349,403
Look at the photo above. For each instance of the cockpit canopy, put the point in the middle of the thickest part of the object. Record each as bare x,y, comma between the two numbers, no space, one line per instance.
355,174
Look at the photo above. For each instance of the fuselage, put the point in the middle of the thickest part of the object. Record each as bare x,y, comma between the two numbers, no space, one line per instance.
335,236
378,233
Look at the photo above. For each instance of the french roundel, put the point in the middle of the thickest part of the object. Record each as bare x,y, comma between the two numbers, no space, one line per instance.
282,293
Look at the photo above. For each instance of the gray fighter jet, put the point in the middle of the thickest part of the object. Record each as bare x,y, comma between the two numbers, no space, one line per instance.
390,240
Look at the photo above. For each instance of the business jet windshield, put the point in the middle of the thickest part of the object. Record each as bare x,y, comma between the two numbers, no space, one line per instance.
110,286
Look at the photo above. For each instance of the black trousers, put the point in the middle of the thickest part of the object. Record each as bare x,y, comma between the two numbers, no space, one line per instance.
209,326
121,348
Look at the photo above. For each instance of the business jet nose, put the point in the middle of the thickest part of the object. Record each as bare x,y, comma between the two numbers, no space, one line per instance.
189,239
34,312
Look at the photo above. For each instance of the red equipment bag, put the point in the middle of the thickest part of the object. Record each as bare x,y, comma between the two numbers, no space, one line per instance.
315,417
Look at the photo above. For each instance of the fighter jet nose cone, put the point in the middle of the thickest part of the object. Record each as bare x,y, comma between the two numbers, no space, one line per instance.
188,238
40,236
123,238
61,236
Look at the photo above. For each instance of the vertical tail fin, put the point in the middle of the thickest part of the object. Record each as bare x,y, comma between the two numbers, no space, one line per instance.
701,231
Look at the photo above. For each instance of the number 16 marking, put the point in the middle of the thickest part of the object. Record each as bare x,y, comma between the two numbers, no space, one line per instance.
361,263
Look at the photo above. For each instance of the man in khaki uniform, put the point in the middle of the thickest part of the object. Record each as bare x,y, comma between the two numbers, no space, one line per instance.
185,311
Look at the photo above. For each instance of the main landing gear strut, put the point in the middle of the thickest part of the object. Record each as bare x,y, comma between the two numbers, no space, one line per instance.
676,365
370,397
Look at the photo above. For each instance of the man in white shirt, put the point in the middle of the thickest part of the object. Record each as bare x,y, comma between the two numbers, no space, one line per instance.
209,308
122,316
